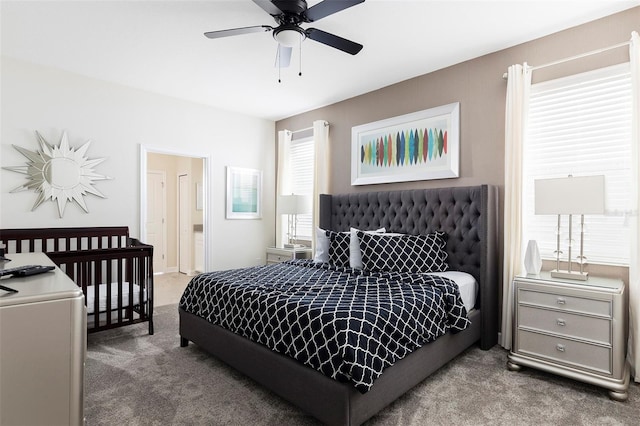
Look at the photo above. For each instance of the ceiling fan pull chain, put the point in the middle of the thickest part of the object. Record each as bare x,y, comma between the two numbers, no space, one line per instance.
300,59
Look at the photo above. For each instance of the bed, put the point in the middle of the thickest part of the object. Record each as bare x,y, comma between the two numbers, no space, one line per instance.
468,217
114,271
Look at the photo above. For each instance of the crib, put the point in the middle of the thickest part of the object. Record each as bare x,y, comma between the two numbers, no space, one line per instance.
114,271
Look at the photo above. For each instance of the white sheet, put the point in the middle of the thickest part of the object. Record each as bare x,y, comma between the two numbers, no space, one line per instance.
114,296
467,286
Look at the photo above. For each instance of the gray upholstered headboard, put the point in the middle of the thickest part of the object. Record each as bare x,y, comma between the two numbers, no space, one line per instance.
468,215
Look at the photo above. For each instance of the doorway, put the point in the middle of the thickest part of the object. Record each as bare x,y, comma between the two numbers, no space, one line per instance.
171,219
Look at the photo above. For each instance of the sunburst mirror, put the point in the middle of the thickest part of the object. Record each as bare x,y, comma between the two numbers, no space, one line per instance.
59,173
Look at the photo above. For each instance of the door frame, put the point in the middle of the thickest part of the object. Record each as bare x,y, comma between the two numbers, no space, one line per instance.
206,199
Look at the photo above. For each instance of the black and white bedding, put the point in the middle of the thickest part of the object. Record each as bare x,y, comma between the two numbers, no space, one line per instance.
350,324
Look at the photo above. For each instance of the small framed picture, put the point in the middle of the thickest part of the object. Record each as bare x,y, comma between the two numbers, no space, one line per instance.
244,193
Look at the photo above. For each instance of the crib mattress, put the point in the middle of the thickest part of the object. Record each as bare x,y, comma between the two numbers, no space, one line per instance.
113,304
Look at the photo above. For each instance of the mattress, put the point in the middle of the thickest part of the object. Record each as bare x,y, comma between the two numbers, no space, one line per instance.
114,296
467,285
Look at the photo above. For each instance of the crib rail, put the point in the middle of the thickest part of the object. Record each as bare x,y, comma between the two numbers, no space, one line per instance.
30,240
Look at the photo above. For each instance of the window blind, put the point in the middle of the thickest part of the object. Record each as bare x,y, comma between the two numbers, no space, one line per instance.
301,156
581,125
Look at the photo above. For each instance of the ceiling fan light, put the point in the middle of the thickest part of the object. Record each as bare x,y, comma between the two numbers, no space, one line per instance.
289,37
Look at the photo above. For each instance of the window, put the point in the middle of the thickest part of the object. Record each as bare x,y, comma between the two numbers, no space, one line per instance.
581,125
301,167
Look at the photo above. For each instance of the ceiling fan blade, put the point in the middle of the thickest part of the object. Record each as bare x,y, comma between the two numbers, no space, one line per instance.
328,7
332,40
283,56
268,7
238,31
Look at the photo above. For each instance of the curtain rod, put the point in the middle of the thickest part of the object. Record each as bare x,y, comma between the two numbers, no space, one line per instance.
302,130
580,56
306,129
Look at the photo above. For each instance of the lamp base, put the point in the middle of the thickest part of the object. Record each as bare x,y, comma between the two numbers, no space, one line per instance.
571,275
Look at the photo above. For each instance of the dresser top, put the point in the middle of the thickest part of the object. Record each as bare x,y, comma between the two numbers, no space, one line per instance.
593,282
47,286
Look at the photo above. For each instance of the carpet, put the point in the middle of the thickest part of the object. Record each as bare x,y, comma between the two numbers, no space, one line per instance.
132,378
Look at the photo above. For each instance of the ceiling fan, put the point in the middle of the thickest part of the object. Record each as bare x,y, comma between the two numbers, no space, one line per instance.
289,14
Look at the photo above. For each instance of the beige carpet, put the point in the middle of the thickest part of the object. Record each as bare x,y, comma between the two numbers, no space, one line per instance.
168,288
136,379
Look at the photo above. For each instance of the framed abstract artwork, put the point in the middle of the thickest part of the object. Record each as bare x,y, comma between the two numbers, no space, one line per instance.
244,193
422,145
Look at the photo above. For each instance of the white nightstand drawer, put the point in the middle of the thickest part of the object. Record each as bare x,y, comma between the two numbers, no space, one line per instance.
568,324
277,258
278,254
567,303
557,349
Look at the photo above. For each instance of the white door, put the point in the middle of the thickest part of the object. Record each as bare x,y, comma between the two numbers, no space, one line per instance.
184,225
156,214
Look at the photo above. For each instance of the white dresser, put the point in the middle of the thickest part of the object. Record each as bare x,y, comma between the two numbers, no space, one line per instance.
576,329
42,347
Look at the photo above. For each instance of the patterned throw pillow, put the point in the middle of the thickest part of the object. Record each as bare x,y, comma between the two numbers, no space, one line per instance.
403,253
355,256
339,248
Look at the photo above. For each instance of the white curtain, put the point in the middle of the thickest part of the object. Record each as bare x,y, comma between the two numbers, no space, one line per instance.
518,86
634,264
283,181
321,168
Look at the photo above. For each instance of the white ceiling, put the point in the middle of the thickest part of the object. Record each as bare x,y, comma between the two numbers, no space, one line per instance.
159,46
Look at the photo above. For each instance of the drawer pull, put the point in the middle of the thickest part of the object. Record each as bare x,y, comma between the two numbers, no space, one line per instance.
561,301
560,347
561,322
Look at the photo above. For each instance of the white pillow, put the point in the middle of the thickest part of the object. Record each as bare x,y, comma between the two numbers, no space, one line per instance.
355,255
322,247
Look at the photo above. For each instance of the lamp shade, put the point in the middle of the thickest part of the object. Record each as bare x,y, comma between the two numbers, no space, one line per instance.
294,204
570,195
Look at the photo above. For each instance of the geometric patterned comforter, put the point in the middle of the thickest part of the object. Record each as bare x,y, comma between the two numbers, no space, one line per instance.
346,323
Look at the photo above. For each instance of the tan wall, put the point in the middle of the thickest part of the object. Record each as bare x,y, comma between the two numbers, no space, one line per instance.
196,178
479,87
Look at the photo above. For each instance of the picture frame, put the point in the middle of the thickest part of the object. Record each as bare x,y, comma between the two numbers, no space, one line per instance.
244,193
423,145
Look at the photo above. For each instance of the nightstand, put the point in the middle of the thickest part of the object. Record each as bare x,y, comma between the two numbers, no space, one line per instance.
278,254
576,329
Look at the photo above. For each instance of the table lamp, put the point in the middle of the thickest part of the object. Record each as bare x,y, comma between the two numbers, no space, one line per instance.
569,196
293,205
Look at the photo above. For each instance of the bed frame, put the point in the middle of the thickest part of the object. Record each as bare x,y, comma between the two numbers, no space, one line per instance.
468,215
94,256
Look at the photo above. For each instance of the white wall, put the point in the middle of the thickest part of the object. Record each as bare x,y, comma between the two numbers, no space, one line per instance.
118,120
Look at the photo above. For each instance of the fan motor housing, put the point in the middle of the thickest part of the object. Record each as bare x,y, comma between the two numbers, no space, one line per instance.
293,11
296,7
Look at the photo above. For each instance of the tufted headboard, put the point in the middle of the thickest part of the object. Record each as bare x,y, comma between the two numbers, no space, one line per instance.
468,215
